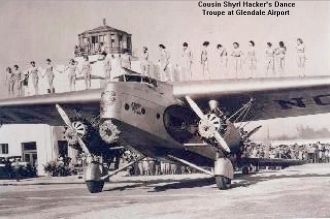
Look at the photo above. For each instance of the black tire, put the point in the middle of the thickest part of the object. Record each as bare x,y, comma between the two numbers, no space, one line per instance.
95,186
245,170
222,182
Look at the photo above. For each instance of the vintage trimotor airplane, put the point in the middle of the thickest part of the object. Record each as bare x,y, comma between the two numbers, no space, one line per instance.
170,121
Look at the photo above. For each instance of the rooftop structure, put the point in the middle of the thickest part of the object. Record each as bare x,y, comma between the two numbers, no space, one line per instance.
103,38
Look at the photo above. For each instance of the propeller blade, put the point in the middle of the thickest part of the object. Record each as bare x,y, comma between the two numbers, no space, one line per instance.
64,116
67,121
195,108
201,115
221,141
83,145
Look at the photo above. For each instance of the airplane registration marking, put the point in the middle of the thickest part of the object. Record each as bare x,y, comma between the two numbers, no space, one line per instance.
137,108
300,102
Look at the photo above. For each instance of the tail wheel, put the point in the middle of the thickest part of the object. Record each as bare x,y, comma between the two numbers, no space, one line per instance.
222,182
95,186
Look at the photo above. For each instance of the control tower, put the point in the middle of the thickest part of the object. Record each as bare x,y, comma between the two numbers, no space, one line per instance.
103,38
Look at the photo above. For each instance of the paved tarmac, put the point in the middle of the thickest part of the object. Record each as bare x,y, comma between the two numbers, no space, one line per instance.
295,192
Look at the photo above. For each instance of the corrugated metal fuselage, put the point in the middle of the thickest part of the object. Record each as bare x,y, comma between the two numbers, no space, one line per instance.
137,109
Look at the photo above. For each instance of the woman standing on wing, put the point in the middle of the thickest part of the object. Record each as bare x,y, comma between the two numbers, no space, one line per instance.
33,73
269,59
72,74
280,53
107,65
11,80
223,64
187,57
18,81
49,73
145,65
164,62
252,59
301,57
237,55
86,71
205,60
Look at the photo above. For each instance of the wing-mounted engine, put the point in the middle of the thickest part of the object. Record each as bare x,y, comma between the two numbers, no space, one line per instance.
215,128
180,123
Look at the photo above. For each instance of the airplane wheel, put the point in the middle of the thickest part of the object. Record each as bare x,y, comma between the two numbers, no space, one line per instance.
95,186
245,170
222,182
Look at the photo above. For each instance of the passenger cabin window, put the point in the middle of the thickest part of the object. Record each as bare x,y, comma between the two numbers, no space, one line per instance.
4,149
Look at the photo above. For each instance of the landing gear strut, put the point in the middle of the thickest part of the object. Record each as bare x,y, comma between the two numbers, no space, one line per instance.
223,170
223,173
93,174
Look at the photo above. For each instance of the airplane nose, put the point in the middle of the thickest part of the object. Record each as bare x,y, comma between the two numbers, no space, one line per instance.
110,102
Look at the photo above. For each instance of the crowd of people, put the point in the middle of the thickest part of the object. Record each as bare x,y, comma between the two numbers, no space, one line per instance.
18,80
164,70
233,61
312,152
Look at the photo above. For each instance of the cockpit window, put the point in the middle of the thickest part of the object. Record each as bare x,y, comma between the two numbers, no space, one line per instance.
137,78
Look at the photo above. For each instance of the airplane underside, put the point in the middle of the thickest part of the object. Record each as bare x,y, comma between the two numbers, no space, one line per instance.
153,146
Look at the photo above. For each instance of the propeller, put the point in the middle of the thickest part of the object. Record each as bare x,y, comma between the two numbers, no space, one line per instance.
67,122
221,141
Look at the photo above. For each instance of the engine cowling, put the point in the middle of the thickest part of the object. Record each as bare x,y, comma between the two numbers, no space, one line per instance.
180,123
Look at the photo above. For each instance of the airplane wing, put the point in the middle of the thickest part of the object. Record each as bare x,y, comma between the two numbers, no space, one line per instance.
41,108
272,97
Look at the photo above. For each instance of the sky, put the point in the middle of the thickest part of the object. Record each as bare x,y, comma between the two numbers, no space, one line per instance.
36,30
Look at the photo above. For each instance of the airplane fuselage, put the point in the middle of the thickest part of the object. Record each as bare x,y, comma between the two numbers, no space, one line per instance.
140,112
